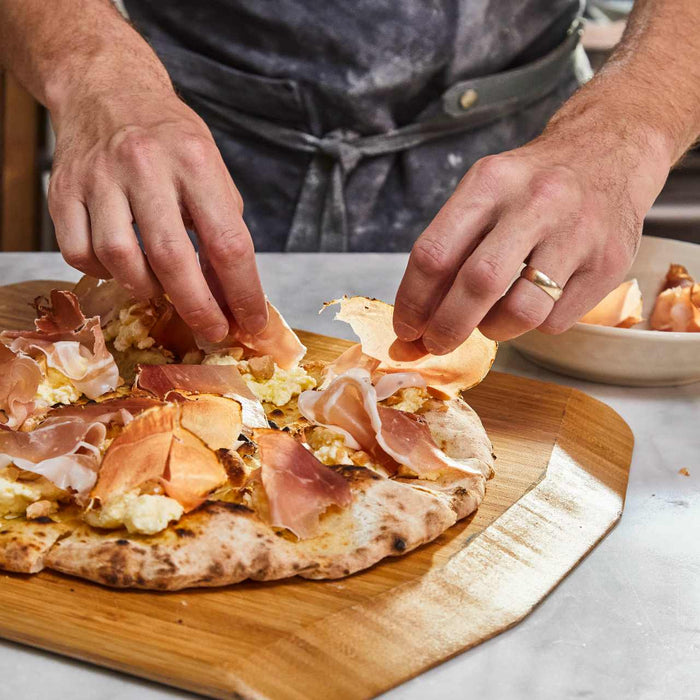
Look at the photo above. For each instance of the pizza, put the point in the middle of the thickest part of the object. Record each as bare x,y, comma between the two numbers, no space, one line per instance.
136,455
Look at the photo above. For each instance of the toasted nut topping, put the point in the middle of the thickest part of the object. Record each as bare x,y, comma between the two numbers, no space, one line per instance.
40,509
262,368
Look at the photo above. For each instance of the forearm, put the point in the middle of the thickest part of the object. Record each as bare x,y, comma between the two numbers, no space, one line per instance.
650,87
68,50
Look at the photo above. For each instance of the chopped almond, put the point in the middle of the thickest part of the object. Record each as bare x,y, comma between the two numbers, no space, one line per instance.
262,368
40,509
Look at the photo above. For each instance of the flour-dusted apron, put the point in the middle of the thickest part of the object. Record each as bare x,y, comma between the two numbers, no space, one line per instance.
346,125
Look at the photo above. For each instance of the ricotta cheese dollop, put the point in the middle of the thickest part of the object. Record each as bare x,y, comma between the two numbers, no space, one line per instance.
143,514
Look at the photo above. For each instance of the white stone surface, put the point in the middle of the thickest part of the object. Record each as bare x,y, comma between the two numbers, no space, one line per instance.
624,625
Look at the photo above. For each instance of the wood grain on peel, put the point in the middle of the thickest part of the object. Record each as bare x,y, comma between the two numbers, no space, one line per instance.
561,473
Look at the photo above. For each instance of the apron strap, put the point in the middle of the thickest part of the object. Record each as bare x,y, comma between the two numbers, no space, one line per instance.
320,218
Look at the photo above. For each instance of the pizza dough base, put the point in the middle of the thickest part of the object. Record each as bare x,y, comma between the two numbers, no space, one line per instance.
223,543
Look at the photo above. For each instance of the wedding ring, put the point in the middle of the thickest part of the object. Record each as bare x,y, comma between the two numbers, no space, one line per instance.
545,283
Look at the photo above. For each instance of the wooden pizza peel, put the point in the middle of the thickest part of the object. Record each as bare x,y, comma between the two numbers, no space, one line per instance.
561,474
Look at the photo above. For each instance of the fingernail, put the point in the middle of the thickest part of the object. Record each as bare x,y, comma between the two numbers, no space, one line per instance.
404,331
433,347
255,324
216,333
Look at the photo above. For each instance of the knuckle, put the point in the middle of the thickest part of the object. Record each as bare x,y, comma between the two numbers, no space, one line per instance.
492,171
167,254
113,250
198,315
196,151
135,149
484,277
230,244
78,258
408,307
60,189
445,332
430,257
550,185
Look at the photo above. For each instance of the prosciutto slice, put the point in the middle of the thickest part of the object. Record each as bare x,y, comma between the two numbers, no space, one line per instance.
223,380
102,298
349,406
446,375
20,376
65,452
154,447
122,410
299,488
277,340
71,343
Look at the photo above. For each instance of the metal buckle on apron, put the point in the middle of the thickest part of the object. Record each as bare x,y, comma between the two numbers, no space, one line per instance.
320,218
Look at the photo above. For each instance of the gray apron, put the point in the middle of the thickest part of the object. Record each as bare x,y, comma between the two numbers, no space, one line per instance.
346,125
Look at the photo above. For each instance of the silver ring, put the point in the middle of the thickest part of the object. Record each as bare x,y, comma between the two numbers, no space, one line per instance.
544,282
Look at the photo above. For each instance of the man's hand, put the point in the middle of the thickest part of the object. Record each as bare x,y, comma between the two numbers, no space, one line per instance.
571,203
128,150
553,203
149,158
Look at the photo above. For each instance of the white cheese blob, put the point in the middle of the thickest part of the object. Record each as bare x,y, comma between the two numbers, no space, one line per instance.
142,514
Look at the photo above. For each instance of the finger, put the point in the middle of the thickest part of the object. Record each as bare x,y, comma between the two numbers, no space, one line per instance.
72,225
480,282
226,243
582,292
115,245
172,258
436,256
525,306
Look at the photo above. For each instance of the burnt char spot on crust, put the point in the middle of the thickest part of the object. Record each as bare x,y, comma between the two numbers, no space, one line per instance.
215,569
459,491
43,519
399,544
122,543
183,532
213,506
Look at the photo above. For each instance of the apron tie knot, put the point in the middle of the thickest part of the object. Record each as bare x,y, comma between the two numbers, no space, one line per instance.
338,145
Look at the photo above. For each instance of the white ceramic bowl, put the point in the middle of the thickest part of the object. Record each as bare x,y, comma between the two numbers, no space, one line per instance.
628,356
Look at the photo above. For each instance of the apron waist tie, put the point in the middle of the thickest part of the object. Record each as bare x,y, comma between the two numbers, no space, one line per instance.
320,218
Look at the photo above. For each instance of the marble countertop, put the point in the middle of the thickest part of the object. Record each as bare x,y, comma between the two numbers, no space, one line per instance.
624,624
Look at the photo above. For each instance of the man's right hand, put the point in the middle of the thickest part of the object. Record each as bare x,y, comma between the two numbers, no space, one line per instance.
146,157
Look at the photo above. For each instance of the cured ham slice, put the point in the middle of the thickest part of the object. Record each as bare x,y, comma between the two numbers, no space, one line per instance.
277,340
192,472
352,358
20,376
170,331
677,309
446,375
299,488
79,352
389,384
138,454
102,298
621,308
215,420
407,439
66,452
122,409
677,276
154,447
349,406
224,380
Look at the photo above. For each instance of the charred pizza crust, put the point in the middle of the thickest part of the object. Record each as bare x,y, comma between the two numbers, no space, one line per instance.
223,543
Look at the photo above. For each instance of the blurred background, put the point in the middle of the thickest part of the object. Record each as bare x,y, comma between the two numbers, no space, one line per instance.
26,149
